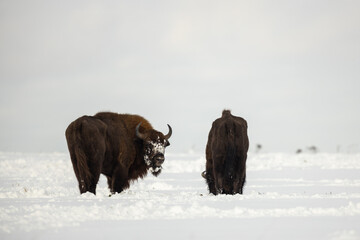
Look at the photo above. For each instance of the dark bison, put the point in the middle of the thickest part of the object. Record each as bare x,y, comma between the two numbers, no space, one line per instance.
226,153
121,146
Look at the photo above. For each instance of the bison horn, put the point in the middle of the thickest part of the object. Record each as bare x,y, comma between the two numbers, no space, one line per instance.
138,134
167,136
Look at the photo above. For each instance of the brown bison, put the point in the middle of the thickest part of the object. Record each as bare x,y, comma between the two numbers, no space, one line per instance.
226,153
121,146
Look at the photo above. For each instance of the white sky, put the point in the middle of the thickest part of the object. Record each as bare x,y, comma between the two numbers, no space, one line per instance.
290,68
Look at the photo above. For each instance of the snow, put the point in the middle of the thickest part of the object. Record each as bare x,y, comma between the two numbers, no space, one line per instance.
286,196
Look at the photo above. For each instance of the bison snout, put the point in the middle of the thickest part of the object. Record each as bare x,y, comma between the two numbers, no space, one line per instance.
159,159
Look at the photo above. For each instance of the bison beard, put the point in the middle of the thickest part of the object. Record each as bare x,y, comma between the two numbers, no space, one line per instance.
226,153
121,146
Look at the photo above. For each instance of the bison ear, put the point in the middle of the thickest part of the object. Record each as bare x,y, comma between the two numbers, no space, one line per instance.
138,134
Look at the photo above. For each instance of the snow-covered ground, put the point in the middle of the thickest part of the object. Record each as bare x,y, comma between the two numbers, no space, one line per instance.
287,196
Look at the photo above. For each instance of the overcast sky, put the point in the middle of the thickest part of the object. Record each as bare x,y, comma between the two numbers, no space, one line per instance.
290,68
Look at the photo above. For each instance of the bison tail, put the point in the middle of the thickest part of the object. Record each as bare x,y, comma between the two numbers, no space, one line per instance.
230,161
229,174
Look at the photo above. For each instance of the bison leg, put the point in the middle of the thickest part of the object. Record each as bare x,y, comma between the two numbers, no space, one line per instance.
87,168
219,183
211,182
81,169
209,176
94,167
239,184
87,182
242,170
90,168
109,182
242,184
219,175
74,163
119,180
86,142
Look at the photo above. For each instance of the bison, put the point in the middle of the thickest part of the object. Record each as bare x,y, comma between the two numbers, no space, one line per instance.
123,147
226,153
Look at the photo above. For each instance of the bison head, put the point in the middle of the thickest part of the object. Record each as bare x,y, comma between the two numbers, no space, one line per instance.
154,143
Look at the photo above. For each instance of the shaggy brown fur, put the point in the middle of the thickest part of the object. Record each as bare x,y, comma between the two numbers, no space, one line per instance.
120,146
226,153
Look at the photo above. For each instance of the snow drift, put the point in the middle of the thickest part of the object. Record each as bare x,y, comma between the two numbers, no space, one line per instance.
305,196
